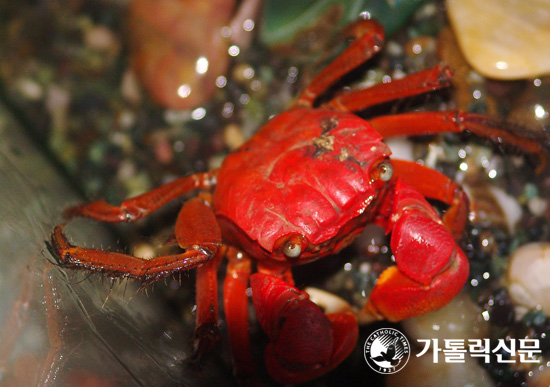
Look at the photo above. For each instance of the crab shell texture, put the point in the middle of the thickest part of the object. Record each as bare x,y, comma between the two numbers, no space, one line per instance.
310,173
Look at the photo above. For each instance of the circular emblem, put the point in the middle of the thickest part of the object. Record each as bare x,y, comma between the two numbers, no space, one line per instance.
387,350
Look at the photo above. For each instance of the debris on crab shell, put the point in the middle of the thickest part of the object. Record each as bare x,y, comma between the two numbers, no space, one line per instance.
528,275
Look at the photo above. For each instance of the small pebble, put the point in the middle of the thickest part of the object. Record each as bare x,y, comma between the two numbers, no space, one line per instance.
233,136
137,184
130,88
528,277
330,303
30,89
126,170
101,38
144,250
164,151
537,206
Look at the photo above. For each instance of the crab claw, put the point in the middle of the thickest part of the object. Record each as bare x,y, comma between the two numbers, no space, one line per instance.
430,267
304,342
397,297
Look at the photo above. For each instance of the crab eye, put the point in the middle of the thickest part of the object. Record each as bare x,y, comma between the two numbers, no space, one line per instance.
385,171
293,245
292,249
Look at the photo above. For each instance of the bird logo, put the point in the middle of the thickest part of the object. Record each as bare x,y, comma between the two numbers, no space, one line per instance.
387,350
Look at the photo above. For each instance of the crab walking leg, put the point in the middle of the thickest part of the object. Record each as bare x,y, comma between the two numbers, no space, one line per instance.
430,267
196,227
147,270
435,185
136,208
123,265
369,37
206,321
304,342
420,123
414,84
235,300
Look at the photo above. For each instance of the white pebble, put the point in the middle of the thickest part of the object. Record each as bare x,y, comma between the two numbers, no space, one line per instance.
100,38
330,303
401,148
510,206
460,319
537,206
129,87
30,89
528,274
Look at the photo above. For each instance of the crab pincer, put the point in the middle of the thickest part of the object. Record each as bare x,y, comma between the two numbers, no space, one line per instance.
304,342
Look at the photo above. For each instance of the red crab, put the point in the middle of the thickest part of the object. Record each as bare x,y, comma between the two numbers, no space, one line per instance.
301,189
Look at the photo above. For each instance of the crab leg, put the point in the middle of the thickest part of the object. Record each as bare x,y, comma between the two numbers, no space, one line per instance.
197,222
430,267
136,208
206,321
420,123
369,37
235,300
435,185
414,84
304,342
199,251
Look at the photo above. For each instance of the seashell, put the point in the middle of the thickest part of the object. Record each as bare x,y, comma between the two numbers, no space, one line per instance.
528,275
491,206
503,39
177,48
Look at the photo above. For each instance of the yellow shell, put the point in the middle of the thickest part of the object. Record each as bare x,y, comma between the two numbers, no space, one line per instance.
503,39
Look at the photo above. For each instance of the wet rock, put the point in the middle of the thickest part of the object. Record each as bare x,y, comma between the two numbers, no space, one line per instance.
528,275
504,39
460,319
422,371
